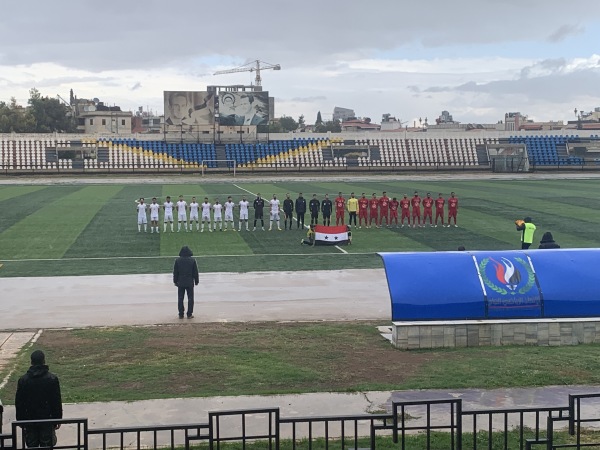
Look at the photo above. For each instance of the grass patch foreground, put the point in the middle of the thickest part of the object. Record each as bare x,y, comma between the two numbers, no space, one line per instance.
192,360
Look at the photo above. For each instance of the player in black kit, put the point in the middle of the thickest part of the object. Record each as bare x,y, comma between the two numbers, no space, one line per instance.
326,208
288,210
259,204
314,206
300,210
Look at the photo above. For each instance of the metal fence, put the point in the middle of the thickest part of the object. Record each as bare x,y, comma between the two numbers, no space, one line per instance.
434,424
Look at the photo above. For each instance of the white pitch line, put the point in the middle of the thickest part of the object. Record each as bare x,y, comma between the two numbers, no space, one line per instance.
305,226
108,258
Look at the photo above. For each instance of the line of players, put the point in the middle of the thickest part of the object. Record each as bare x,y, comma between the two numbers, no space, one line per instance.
382,209
222,213
367,210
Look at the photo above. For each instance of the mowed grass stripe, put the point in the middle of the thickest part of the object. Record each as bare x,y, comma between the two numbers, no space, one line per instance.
531,190
314,260
16,209
12,192
206,243
569,231
113,229
52,229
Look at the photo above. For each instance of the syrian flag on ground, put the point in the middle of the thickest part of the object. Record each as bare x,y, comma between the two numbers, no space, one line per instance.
331,235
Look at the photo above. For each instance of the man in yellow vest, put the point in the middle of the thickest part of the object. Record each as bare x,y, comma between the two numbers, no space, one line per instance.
527,229
352,208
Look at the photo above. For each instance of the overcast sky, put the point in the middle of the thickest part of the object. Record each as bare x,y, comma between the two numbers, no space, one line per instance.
476,58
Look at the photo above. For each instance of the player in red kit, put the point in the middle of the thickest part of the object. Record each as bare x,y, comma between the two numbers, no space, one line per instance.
363,210
394,204
416,209
340,209
384,209
439,209
452,208
405,208
373,207
427,205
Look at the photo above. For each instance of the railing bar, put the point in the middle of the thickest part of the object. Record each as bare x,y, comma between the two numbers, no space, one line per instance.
475,432
428,426
521,430
490,430
243,431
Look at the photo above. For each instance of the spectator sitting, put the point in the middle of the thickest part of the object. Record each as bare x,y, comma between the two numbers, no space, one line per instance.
548,241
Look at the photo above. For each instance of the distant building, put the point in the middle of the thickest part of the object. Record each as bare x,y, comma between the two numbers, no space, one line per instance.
104,122
360,125
390,123
445,117
342,114
146,122
513,121
94,117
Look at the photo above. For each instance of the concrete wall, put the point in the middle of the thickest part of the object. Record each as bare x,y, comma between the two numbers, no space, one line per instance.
474,333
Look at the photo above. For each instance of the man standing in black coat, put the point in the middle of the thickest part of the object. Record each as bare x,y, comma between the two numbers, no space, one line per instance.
326,208
259,204
314,207
300,210
38,398
288,210
185,277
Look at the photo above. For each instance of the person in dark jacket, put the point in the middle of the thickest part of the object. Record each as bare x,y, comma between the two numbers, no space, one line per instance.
288,210
259,204
548,241
326,208
314,207
38,398
185,277
300,210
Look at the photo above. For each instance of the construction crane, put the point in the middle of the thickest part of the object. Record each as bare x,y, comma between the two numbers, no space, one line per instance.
254,66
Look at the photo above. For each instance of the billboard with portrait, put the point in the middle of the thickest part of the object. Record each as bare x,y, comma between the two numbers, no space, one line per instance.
243,108
189,108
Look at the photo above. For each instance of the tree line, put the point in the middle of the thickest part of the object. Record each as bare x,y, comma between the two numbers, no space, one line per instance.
285,124
41,115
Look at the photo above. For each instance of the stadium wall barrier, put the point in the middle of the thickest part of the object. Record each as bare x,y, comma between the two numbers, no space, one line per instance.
536,297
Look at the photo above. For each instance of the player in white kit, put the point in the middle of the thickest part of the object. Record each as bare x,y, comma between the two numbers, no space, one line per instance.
243,213
229,206
274,212
142,219
218,216
194,208
154,210
181,214
206,207
168,207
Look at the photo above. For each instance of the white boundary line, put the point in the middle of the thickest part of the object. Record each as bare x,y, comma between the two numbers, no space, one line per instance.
305,226
109,258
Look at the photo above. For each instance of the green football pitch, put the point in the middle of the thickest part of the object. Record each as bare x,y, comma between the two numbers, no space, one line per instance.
92,229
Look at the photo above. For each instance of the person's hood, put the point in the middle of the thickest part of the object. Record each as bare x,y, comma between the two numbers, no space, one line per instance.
38,371
186,251
547,237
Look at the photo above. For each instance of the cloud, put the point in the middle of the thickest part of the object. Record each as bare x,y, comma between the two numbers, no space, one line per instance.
309,99
565,31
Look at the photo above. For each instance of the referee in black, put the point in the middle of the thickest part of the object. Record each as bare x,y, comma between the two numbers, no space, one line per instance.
300,210
259,204
314,206
288,211
326,208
